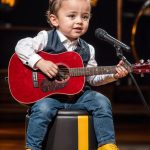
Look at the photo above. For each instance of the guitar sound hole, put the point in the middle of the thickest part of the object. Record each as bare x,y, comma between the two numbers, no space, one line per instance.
63,73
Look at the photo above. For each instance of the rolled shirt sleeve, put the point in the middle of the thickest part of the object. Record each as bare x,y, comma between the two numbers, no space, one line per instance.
27,49
97,80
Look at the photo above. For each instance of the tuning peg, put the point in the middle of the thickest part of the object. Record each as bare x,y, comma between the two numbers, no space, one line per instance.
142,75
141,61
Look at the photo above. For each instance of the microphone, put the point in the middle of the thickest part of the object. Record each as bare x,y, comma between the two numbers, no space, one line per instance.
103,35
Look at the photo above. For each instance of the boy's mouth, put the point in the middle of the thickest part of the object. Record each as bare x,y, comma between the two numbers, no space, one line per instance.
78,29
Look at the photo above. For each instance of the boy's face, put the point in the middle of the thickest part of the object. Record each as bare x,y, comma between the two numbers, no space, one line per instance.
72,18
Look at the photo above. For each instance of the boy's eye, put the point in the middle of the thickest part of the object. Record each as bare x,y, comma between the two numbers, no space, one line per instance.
85,18
71,16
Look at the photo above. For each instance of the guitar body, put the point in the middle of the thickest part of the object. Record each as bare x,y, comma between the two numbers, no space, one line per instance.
25,89
28,86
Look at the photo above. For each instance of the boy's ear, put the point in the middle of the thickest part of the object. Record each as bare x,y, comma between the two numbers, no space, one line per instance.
54,20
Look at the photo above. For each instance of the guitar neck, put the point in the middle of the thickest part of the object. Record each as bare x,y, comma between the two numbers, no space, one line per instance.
89,71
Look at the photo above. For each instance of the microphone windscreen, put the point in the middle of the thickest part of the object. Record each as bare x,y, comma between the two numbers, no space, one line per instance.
100,33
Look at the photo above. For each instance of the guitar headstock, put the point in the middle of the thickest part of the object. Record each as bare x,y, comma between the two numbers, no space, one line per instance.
141,67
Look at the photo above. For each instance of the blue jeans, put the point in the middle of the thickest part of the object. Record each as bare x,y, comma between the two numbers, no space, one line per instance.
43,111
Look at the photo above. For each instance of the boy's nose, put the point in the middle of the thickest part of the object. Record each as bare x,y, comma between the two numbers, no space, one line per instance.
79,19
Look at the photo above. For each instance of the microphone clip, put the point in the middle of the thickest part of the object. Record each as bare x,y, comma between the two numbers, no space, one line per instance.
120,55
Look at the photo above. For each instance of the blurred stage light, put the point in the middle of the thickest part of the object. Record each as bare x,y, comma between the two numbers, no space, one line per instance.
7,5
94,2
11,3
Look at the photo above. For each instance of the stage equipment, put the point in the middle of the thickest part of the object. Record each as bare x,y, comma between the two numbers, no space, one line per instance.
103,35
145,10
70,130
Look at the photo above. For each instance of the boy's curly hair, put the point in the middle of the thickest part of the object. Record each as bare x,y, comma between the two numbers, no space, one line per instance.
53,8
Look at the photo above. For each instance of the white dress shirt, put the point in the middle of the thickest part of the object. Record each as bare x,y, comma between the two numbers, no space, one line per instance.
27,50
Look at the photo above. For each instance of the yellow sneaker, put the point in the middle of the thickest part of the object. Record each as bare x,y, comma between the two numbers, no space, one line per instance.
108,147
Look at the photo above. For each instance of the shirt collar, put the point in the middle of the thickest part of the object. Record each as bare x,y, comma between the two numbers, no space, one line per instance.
64,39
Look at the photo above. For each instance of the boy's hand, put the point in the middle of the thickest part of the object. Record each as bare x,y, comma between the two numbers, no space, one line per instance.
47,67
121,70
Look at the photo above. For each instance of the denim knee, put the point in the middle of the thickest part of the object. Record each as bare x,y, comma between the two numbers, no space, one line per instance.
102,103
45,109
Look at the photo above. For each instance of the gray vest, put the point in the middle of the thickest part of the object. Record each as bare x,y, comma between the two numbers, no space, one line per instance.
54,45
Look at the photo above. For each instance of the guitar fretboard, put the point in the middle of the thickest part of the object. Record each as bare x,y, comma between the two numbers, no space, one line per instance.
89,71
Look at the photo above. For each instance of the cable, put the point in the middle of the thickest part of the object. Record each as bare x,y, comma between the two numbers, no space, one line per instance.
140,93
129,65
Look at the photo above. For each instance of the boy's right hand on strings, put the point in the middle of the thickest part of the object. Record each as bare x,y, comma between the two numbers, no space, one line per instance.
47,67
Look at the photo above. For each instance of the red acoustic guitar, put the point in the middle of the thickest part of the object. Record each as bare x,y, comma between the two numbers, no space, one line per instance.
28,86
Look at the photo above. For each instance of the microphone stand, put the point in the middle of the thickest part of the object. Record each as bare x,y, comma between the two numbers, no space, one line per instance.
128,65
